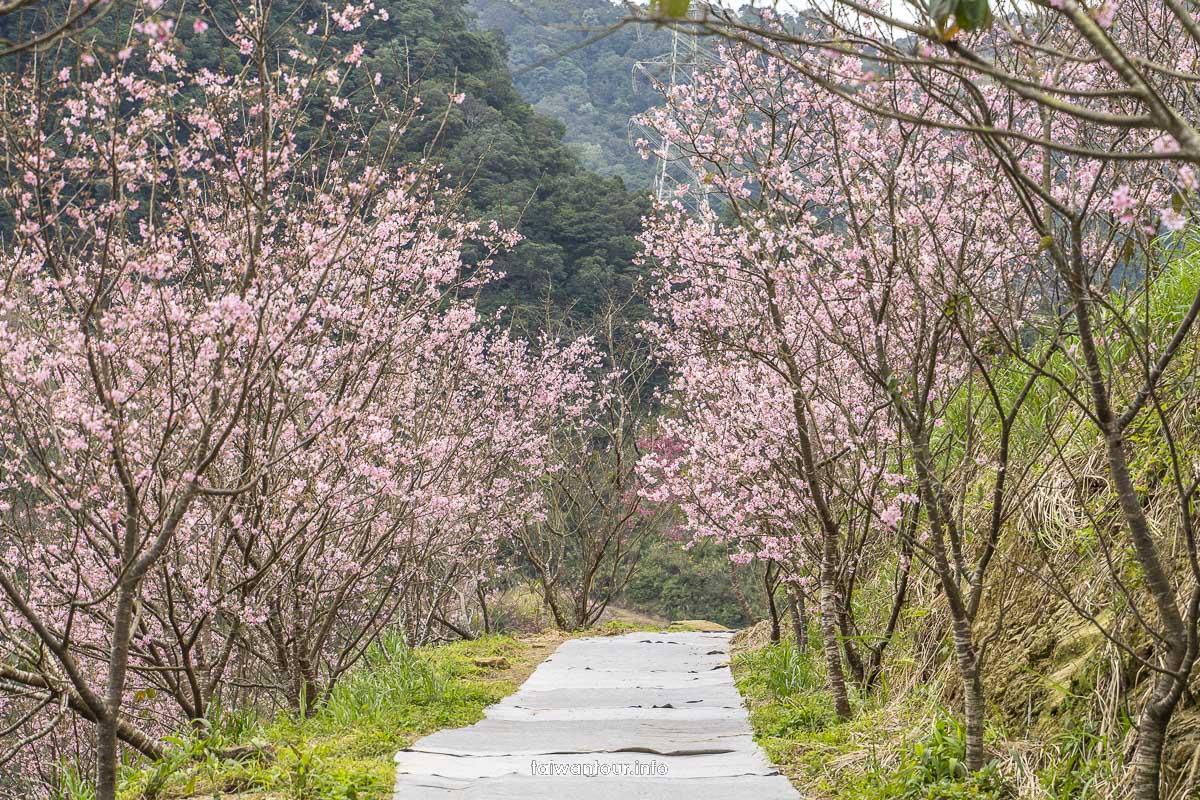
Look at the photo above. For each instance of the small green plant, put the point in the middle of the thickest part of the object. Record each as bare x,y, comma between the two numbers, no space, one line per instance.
789,670
1081,759
73,784
781,670
934,769
301,777
787,688
391,675
801,713
308,777
940,757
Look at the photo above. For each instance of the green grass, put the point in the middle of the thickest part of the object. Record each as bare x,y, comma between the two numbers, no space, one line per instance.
1084,762
904,748
791,713
344,751
1151,313
617,627
883,752
73,785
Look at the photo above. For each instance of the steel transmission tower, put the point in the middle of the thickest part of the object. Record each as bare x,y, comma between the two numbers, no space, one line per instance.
664,73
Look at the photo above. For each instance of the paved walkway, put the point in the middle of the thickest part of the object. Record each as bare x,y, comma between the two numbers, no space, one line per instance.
645,715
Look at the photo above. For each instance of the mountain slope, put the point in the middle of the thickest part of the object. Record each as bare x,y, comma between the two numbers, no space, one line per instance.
594,90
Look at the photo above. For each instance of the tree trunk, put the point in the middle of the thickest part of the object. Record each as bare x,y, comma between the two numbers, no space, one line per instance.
965,655
582,599
1176,632
309,691
812,474
106,759
1147,770
560,620
875,652
799,623
107,743
853,660
1168,685
483,609
1152,724
973,703
829,632
743,603
771,607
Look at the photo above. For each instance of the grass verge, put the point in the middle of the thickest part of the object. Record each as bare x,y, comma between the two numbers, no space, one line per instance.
345,750
904,750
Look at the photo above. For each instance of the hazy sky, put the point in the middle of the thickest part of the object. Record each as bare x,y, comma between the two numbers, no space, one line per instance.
900,9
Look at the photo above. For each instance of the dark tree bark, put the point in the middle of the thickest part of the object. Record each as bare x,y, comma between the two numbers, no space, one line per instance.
799,622
772,608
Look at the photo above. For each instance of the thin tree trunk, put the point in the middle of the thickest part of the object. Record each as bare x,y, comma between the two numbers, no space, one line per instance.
771,607
1178,654
1147,764
802,607
875,658
1177,659
107,742
551,601
853,660
743,603
807,463
829,632
799,624
483,609
973,703
966,655
1152,729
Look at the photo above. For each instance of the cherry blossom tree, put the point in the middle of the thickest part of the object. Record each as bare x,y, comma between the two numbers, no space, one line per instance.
397,501
588,532
785,435
729,457
243,384
1085,112
861,248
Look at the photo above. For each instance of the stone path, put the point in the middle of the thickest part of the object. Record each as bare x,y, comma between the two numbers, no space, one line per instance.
653,716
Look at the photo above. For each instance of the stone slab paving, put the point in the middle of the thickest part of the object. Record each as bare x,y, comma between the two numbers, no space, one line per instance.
652,716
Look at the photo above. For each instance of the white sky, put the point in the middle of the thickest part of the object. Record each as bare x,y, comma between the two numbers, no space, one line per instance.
900,9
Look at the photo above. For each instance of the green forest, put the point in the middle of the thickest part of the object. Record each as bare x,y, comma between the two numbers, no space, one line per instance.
579,226
572,68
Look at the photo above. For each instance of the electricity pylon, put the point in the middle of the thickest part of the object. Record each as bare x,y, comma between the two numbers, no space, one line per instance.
674,178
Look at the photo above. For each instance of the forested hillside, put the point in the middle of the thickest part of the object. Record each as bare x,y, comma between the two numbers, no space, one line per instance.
595,90
579,227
